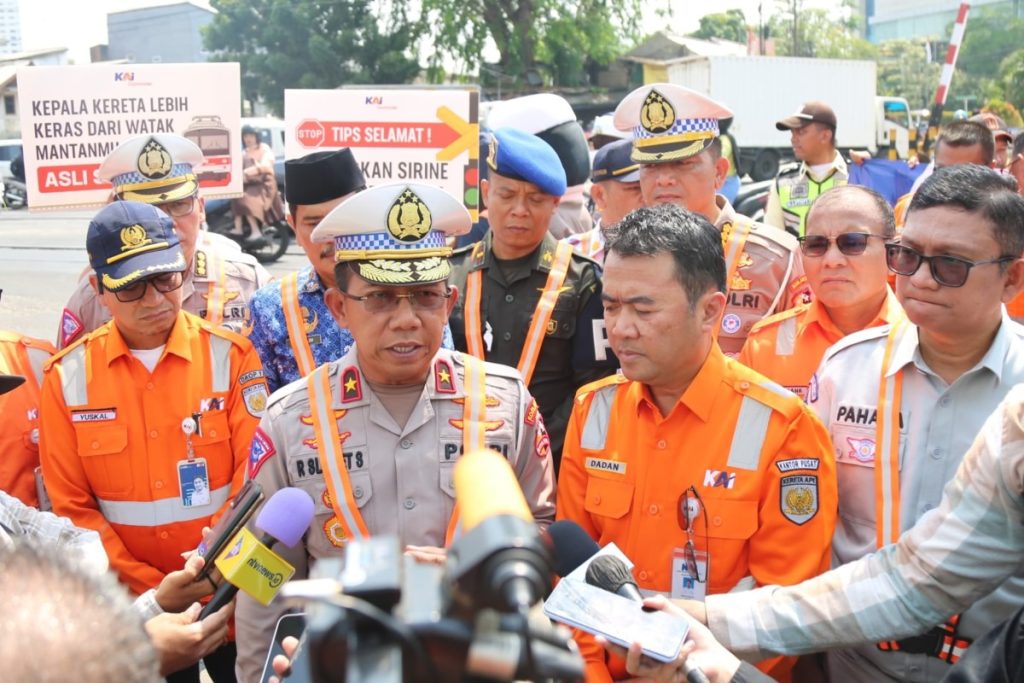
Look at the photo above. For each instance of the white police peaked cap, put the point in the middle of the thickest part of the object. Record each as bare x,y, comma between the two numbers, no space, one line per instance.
153,168
669,122
396,234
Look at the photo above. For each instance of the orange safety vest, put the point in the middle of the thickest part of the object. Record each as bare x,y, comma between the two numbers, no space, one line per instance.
19,435
541,315
293,319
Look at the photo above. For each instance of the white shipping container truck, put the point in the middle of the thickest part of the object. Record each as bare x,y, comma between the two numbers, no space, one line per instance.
763,90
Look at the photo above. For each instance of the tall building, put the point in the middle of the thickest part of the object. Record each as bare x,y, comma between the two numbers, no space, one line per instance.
898,19
165,33
10,27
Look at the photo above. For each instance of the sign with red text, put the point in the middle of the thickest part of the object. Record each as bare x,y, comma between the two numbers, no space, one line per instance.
428,136
73,116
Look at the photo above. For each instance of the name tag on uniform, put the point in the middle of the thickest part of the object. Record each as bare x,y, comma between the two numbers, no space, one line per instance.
615,466
94,415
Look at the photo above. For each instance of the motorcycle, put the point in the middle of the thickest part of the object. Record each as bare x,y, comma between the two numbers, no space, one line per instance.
15,194
268,246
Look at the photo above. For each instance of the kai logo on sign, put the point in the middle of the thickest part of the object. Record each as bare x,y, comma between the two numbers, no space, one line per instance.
124,76
716,478
374,99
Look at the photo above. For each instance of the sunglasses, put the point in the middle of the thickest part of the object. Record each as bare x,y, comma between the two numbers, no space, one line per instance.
849,243
689,509
948,271
164,283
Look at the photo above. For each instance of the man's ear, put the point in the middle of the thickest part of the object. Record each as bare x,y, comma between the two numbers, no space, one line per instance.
336,302
710,309
1014,281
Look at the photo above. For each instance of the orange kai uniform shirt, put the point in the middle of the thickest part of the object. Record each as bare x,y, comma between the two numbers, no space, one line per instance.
628,489
19,429
112,463
788,347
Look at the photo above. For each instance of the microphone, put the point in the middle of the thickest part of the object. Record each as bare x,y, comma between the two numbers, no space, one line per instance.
611,574
573,546
501,561
249,563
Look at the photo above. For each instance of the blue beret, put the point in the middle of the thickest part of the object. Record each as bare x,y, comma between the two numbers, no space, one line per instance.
522,156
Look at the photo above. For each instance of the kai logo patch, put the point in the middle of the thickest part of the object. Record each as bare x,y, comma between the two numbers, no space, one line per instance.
409,218
719,479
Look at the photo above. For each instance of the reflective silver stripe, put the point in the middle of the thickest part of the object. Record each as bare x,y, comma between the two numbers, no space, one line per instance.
220,364
748,435
71,369
150,513
785,340
331,465
37,358
595,429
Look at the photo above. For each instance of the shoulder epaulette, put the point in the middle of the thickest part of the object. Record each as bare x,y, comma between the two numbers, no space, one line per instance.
611,382
861,336
55,358
776,318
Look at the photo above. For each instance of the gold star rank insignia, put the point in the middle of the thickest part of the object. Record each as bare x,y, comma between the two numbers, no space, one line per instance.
443,383
351,385
547,256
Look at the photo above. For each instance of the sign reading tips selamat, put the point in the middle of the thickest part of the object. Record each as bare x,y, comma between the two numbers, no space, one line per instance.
73,116
426,136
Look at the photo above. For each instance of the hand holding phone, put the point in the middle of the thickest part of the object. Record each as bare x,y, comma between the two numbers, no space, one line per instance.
239,510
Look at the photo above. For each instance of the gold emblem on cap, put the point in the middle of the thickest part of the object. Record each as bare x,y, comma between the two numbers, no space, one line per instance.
409,218
154,161
133,237
492,153
657,115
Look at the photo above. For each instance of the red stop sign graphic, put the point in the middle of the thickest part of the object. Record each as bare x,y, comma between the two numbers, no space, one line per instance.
310,133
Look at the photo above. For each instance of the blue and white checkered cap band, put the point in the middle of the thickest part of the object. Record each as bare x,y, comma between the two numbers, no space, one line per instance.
136,177
382,241
681,126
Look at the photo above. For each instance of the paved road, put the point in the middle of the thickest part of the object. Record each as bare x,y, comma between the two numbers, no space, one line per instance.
42,255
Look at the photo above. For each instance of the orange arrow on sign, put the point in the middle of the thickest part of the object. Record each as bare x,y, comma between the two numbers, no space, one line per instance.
469,134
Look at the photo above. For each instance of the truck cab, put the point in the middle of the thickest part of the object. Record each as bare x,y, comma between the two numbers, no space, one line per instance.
892,127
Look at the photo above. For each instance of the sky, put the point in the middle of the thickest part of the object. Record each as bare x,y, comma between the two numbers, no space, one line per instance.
83,23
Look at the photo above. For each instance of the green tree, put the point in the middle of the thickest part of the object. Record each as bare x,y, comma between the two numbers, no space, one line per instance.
728,25
800,32
568,39
904,71
992,34
1011,78
310,44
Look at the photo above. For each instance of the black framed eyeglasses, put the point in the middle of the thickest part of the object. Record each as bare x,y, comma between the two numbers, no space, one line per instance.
689,509
179,208
163,283
948,271
849,243
383,301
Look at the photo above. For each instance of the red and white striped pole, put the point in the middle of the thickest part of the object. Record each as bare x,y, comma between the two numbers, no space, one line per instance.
947,72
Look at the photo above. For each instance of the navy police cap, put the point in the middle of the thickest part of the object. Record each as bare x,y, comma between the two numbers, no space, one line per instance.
522,156
130,241
614,162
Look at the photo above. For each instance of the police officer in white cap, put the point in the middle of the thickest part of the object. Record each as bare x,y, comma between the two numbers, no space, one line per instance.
374,436
161,170
675,141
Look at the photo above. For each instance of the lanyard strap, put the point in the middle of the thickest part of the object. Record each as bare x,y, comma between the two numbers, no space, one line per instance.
215,295
541,315
887,444
293,319
474,413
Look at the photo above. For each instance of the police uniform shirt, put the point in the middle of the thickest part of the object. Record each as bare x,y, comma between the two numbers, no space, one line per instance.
244,275
939,423
401,477
269,330
575,349
769,278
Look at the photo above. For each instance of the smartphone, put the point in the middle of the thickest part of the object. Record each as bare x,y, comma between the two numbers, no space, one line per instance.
240,509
